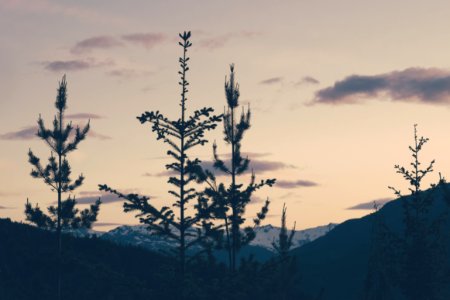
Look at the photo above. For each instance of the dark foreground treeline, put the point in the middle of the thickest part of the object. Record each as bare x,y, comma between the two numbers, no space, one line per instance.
98,269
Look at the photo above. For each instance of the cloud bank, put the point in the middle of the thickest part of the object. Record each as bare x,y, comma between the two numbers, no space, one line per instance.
419,85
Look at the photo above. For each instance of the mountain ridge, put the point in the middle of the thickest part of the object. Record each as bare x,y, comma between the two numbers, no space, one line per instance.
139,235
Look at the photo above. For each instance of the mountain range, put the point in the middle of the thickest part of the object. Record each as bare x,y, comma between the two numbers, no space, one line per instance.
139,235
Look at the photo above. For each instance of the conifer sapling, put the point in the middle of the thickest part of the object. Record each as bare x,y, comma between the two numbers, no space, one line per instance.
62,139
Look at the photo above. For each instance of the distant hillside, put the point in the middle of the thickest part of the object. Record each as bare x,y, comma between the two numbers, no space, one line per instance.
337,262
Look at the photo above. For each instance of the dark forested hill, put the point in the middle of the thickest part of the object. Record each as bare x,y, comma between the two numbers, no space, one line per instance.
93,269
99,269
337,263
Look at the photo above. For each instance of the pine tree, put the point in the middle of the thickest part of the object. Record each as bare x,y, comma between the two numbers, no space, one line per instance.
229,204
182,135
56,174
284,268
284,243
421,264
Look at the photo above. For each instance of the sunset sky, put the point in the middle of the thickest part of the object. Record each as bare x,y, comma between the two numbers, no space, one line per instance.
335,88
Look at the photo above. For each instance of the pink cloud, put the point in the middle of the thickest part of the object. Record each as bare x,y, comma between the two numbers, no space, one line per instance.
74,64
147,40
97,42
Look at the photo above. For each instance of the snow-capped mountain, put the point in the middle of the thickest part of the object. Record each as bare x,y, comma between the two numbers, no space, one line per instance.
266,235
139,235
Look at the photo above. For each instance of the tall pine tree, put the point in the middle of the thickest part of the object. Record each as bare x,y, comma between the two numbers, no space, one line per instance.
181,135
62,140
229,203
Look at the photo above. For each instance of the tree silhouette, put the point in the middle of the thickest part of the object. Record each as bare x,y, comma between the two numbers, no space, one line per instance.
284,243
421,258
62,140
285,265
182,135
229,203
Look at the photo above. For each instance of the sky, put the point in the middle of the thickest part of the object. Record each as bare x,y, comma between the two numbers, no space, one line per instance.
335,88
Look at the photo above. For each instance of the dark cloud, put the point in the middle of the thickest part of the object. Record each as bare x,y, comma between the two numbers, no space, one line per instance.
287,184
83,116
28,133
219,41
308,80
272,80
4,207
147,40
98,42
419,85
73,65
370,205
